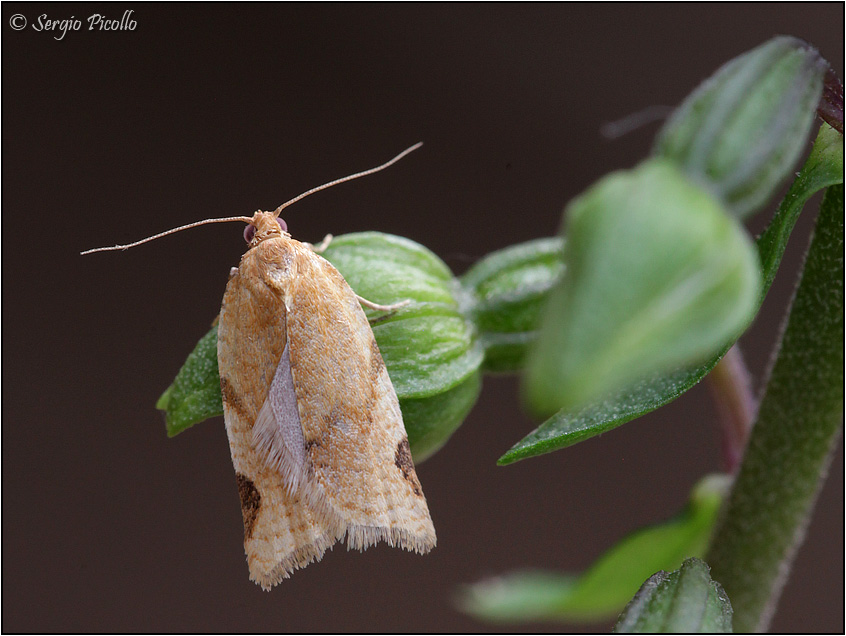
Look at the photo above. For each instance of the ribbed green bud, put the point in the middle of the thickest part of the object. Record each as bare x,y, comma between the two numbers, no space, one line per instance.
742,130
509,288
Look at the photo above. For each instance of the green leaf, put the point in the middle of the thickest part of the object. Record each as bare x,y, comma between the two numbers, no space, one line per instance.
430,349
741,130
658,275
823,168
799,422
686,601
194,395
508,290
567,428
602,591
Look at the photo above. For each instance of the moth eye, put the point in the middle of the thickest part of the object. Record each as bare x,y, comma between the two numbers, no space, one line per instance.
249,233
282,224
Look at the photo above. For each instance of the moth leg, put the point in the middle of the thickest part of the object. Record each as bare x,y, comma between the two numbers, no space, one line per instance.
378,307
321,247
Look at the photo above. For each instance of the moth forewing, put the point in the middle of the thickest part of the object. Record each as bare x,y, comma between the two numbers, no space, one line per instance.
280,532
356,444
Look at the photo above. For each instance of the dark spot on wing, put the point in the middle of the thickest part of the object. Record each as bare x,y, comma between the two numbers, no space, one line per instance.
402,459
311,447
231,397
250,503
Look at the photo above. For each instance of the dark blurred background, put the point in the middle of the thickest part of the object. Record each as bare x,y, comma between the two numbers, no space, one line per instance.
214,110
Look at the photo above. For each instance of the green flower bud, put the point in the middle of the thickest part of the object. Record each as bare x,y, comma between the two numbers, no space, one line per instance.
741,131
657,276
430,349
509,288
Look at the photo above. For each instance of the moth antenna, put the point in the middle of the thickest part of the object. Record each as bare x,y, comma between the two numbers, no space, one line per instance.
631,122
348,178
245,219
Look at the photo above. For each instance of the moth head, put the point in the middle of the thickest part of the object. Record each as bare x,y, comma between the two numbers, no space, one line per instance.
263,226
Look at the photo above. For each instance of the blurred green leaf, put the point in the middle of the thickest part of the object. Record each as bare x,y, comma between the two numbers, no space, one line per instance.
603,590
824,167
658,275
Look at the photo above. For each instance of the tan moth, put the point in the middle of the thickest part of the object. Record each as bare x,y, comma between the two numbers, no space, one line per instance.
315,430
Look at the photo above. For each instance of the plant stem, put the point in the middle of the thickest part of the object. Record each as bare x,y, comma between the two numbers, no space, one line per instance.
731,388
800,417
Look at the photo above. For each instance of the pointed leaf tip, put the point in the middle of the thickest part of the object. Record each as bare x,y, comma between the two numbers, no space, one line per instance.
686,601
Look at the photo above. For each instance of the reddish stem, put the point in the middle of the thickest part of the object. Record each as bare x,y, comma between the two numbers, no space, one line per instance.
731,388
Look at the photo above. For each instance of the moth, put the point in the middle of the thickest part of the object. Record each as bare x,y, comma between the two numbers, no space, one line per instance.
314,425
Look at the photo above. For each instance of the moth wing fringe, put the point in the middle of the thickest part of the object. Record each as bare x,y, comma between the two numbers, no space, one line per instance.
296,560
360,537
357,537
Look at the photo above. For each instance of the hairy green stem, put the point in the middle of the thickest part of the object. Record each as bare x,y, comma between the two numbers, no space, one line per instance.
798,423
